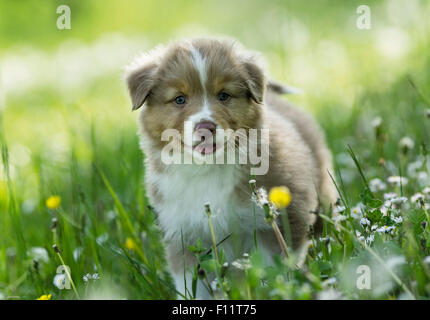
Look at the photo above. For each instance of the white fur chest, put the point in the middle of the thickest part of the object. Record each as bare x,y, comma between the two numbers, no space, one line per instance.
187,188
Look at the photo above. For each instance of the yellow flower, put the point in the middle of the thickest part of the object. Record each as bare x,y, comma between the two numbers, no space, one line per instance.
130,244
280,197
45,297
53,202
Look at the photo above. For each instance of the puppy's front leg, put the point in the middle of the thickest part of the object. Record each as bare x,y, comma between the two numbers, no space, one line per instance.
184,287
181,265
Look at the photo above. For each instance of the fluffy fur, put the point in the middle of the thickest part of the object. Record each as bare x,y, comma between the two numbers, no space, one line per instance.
200,69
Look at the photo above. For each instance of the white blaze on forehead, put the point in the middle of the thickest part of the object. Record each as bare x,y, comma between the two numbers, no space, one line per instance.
200,64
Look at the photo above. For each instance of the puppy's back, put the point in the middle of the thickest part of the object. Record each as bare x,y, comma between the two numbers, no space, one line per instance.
314,137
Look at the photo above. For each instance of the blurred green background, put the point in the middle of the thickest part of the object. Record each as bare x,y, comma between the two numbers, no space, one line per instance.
65,111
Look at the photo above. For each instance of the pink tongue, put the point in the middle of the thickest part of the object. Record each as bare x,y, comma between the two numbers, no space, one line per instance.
205,148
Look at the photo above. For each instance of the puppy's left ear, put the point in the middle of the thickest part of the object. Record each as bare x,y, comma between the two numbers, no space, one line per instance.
256,81
140,82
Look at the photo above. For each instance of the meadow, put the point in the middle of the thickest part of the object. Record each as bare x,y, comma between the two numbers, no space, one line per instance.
71,172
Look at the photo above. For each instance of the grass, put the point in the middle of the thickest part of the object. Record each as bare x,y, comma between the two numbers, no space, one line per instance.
80,143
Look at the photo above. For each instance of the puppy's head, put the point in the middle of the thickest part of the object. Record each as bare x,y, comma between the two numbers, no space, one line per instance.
210,84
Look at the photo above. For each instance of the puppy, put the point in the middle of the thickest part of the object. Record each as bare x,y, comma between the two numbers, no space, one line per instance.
209,85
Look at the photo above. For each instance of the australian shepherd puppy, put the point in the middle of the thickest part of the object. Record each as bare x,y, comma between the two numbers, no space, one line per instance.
210,122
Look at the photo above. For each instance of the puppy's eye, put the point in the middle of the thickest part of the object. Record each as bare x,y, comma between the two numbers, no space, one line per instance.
180,100
222,96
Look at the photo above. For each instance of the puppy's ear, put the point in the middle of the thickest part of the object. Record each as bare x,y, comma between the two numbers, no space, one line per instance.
140,82
140,75
256,81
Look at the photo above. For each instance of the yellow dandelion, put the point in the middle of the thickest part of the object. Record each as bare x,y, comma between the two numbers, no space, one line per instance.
45,297
130,244
53,202
280,197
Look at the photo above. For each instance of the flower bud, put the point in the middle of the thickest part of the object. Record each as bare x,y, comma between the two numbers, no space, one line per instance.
56,249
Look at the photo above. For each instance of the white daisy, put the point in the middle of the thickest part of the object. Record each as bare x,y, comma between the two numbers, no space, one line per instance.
367,240
365,221
359,236
339,209
398,201
60,281
86,277
330,281
39,253
376,185
384,209
417,198
398,219
390,195
370,239
385,229
357,212
397,180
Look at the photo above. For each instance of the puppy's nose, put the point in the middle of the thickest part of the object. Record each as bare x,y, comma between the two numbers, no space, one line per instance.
208,125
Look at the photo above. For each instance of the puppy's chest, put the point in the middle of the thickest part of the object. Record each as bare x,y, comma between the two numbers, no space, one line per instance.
186,189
